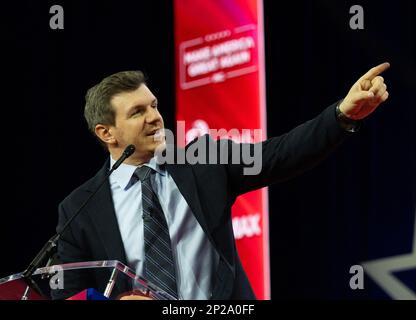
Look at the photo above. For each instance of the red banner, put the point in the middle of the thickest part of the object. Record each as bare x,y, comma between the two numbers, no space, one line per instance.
220,85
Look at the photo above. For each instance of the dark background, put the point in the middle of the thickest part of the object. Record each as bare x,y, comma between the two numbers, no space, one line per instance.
358,205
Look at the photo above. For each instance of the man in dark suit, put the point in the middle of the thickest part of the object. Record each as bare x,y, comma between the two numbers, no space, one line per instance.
199,257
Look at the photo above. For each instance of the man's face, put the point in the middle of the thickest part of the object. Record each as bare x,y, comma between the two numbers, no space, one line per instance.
136,121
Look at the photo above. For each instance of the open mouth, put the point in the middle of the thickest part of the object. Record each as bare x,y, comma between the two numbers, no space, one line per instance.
151,133
156,133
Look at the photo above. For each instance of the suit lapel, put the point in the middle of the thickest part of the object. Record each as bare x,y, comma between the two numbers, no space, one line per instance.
104,219
185,181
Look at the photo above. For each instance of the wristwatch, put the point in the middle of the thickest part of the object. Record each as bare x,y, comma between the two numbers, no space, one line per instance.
346,123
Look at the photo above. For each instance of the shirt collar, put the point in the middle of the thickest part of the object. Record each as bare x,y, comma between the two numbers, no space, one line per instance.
124,172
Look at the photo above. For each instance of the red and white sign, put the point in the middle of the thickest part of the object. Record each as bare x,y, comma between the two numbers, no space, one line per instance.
220,84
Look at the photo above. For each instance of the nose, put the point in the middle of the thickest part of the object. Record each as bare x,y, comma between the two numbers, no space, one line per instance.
152,114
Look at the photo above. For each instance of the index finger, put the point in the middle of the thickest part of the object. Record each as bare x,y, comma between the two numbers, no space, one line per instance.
374,72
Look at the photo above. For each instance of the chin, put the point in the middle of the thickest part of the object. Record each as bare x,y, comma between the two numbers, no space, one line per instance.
160,147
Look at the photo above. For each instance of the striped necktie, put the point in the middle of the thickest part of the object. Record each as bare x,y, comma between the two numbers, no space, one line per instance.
159,267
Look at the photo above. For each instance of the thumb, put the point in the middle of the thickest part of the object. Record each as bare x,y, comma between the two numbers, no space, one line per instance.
354,100
361,95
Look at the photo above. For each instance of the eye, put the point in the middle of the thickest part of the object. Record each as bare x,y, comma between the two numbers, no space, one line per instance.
137,112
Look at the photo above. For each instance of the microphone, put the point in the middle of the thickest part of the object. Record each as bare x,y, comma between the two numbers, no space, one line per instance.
49,248
126,153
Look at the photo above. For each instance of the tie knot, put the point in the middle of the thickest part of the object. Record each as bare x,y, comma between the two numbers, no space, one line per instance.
143,172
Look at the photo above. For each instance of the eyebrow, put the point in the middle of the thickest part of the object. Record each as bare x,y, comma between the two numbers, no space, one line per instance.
140,106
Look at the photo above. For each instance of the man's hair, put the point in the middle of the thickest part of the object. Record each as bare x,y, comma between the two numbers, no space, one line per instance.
98,108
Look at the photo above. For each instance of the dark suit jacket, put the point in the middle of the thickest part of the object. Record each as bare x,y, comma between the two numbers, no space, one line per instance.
210,191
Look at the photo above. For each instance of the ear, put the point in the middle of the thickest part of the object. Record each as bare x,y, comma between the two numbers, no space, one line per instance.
104,133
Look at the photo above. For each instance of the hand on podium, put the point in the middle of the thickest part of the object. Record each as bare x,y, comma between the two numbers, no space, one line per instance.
134,295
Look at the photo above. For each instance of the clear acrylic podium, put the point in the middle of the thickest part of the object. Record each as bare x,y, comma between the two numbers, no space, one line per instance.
49,282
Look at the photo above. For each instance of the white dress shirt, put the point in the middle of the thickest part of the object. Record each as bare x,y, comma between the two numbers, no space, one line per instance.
194,256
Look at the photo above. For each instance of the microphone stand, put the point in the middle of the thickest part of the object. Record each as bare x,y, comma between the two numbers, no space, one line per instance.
50,247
